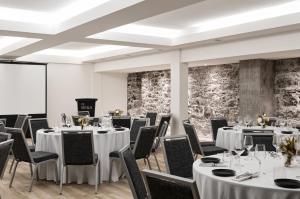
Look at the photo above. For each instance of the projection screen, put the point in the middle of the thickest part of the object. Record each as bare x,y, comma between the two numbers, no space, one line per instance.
23,88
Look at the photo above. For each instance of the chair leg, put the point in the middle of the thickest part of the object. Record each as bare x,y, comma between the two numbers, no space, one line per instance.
156,162
32,177
110,169
56,172
67,174
97,177
13,174
12,164
61,178
31,170
149,165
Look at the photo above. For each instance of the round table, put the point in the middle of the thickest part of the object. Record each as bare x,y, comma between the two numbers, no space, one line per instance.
214,187
103,144
226,138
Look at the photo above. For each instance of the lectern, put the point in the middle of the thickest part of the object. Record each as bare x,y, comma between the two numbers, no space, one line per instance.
87,104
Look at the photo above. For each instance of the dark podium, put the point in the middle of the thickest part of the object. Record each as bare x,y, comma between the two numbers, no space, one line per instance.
87,104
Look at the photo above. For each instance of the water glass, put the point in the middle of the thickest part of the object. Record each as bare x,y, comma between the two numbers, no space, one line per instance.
260,149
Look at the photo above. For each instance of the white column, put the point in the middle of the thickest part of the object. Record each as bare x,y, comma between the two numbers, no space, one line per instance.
179,93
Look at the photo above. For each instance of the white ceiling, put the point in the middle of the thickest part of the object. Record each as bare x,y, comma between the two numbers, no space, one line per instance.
100,30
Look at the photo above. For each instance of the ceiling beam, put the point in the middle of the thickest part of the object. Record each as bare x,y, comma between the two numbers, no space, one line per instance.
130,14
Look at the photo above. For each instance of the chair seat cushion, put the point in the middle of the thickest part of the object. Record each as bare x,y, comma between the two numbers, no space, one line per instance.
212,150
41,156
114,154
31,148
203,144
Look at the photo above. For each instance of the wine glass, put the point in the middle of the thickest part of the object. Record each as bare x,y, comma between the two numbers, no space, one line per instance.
248,143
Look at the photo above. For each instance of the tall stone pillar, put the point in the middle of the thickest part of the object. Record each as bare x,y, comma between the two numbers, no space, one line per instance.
256,80
179,93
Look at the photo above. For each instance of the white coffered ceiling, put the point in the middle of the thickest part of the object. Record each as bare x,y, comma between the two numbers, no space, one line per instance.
76,31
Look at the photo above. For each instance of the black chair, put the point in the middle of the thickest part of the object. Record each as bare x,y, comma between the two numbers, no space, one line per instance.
164,118
78,149
4,136
20,121
121,121
25,127
157,141
198,149
5,148
35,125
135,128
3,120
178,156
22,153
216,124
142,148
152,117
208,143
267,140
2,127
161,185
84,113
132,173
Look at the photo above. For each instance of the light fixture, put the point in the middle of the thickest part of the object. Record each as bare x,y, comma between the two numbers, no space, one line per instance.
6,41
58,16
147,31
80,53
250,16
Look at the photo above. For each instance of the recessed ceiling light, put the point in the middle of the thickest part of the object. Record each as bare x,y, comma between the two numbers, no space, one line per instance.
147,31
80,53
58,16
251,16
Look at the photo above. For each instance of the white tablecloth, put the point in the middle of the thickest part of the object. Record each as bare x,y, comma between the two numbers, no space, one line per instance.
103,144
227,138
263,187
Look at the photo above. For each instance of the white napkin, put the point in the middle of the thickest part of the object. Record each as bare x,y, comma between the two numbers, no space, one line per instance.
246,176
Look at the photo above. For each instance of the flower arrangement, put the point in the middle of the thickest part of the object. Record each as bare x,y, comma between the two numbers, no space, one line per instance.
262,120
83,121
288,148
117,112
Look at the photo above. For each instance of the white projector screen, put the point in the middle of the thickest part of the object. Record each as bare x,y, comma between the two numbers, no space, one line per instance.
22,88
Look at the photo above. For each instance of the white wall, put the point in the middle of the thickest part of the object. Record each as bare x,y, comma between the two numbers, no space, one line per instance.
111,91
65,83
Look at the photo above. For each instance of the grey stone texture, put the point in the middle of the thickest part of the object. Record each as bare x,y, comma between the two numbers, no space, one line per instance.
287,89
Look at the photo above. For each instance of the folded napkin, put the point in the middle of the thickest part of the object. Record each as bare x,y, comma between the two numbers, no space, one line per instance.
246,176
245,153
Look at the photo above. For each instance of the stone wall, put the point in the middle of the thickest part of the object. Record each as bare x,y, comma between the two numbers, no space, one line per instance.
213,92
149,91
287,89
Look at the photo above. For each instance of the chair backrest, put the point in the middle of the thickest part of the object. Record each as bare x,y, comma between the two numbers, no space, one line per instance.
164,118
178,156
121,121
78,148
3,120
161,185
135,128
152,116
2,127
267,140
161,134
75,120
192,134
20,147
186,121
83,113
20,121
25,126
4,136
144,142
5,148
257,131
35,125
216,124
132,173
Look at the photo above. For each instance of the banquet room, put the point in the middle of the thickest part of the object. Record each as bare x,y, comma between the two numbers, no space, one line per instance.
150,99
